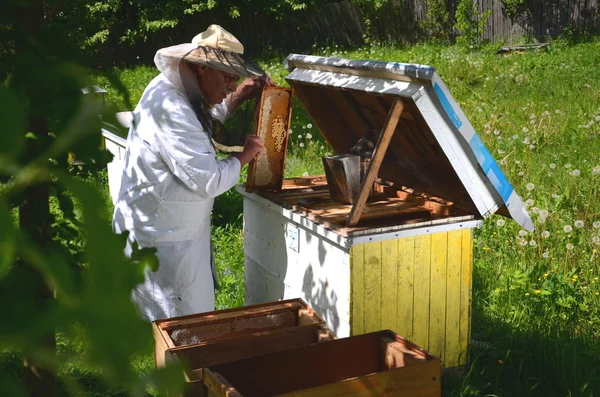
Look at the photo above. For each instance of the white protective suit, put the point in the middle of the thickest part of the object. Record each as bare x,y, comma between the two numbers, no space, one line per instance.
170,179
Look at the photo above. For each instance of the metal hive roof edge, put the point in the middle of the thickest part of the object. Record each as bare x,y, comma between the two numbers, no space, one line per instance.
406,70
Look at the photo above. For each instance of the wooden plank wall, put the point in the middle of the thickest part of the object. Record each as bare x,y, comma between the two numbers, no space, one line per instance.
343,23
419,287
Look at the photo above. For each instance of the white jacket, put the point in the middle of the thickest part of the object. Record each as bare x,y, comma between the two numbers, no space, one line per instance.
170,179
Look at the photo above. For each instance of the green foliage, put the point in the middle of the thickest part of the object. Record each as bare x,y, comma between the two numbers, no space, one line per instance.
63,245
437,21
514,8
470,23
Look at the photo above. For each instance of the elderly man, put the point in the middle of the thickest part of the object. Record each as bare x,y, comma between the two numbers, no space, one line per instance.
171,173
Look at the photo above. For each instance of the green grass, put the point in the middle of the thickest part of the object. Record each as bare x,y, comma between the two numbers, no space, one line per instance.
536,296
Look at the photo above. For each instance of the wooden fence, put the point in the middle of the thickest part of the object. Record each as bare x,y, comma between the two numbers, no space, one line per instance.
343,23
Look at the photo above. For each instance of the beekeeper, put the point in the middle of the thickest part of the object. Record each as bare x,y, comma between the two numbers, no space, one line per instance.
171,174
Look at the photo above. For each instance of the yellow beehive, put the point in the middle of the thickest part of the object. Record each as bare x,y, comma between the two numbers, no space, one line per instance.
401,255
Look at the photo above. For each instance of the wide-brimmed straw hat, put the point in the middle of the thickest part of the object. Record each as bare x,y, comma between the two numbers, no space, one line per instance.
217,49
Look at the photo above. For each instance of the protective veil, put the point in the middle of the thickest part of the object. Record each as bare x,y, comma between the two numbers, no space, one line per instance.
169,182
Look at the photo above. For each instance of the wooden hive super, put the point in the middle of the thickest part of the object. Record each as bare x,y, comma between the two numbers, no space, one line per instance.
220,336
400,257
374,364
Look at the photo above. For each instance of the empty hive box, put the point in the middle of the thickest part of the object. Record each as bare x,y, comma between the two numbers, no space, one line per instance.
374,364
400,256
184,332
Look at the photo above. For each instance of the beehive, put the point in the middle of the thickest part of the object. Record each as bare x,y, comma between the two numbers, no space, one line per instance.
401,259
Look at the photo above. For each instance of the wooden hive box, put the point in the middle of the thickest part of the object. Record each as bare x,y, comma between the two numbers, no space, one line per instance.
185,332
195,358
400,256
373,364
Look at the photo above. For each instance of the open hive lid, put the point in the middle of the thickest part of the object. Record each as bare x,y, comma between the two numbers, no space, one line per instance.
434,149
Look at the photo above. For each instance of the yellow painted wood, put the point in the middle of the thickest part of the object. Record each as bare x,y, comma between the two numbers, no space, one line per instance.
420,287
357,308
437,312
453,296
406,272
421,294
465,294
372,288
389,283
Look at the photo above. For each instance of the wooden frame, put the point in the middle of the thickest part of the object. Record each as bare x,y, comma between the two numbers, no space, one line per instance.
272,123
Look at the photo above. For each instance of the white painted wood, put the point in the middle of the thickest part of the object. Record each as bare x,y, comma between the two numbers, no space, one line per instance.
116,145
262,286
319,271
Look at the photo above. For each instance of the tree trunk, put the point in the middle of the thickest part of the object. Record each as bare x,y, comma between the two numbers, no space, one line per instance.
34,212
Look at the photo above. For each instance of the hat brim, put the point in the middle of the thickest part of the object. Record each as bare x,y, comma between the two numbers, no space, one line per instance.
225,61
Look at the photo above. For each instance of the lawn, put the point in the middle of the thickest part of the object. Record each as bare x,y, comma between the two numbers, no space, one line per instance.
536,296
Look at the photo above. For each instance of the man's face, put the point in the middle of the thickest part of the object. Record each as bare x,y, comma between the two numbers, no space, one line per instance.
215,84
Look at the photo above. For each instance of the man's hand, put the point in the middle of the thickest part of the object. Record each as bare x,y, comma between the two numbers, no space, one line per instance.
253,146
248,89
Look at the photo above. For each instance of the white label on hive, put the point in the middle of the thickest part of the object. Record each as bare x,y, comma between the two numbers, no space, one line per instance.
293,236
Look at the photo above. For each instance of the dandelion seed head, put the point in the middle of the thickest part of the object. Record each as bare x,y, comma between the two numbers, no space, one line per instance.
500,222
596,240
529,202
520,173
596,170
544,213
542,219
545,234
301,144
530,186
523,242
309,136
535,210
596,225
309,125
552,165
525,129
522,233
532,243
568,165
555,196
546,255
568,228
579,224
299,136
570,246
575,173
